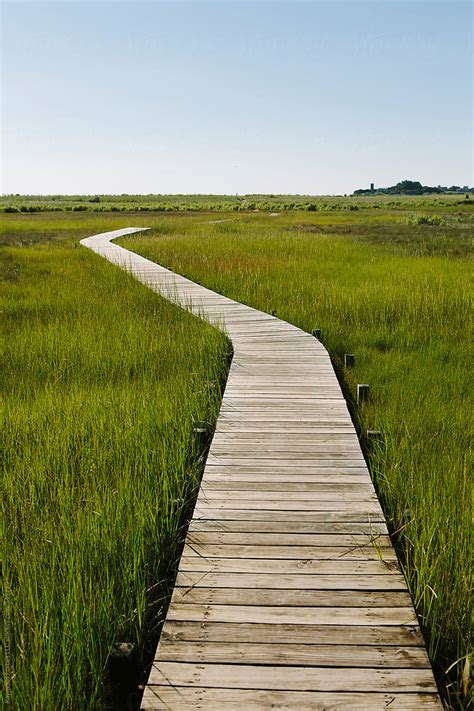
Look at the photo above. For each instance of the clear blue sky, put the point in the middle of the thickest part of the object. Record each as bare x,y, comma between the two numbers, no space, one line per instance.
235,97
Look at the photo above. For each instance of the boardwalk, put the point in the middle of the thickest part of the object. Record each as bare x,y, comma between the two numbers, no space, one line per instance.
289,594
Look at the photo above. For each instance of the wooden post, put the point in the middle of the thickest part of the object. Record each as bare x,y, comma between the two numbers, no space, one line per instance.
349,360
123,671
316,332
362,393
374,438
201,432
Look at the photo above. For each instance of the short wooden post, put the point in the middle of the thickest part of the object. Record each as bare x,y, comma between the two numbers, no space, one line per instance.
316,332
349,360
374,439
201,432
123,671
362,393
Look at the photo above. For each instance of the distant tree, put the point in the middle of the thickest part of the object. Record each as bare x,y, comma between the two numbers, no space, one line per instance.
407,187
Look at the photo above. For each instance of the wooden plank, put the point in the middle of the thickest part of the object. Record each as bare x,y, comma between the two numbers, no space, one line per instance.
358,514
299,580
386,636
281,481
351,552
293,678
358,616
292,598
308,655
273,461
251,429
297,527
184,698
330,493
308,470
333,504
303,450
288,538
288,440
295,565
276,467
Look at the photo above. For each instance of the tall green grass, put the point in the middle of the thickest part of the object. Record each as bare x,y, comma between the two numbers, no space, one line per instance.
101,381
397,297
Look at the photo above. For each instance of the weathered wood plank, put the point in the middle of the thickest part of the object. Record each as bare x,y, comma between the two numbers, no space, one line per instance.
297,678
280,505
297,527
398,636
295,654
351,552
307,565
281,467
329,494
303,450
283,480
288,538
272,460
291,598
182,698
284,580
358,616
336,513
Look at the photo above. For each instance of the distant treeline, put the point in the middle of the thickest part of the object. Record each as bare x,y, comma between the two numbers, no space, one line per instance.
413,187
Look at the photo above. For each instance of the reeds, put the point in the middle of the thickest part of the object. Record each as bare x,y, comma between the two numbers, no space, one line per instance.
101,381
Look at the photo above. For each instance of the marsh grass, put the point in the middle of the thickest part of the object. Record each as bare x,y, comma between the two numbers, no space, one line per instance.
101,382
26,205
392,292
399,301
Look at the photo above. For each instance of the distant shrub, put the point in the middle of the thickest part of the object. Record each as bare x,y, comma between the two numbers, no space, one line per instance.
30,208
79,208
95,199
310,207
352,208
424,220
11,208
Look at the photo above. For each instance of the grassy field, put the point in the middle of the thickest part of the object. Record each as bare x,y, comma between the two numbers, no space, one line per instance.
30,204
101,381
390,286
387,281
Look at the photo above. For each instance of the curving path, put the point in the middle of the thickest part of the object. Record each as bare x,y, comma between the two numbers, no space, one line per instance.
289,593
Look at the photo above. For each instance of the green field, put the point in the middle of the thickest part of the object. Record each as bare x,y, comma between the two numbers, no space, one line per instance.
31,204
387,281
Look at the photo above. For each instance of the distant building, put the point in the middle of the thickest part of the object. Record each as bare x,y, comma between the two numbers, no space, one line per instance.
372,187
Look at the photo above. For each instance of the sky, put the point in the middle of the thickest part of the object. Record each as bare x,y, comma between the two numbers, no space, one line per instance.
302,97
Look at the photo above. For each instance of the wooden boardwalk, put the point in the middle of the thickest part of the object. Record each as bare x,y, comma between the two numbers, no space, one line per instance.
289,593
